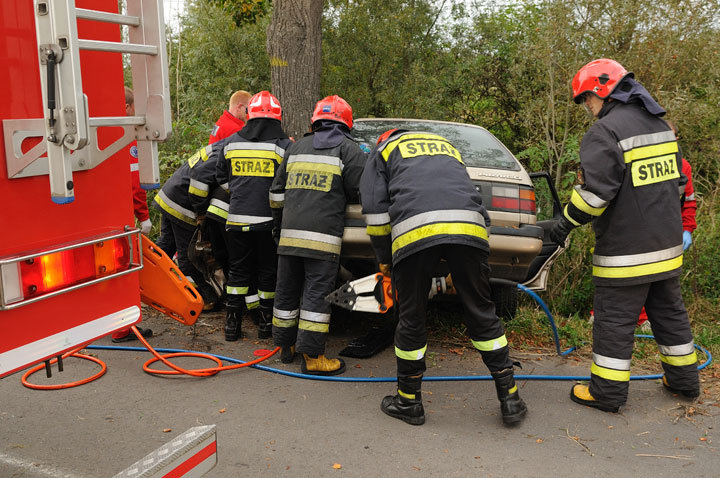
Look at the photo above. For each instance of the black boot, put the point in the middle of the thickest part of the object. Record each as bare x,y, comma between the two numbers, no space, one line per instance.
232,325
406,409
254,315
511,405
265,323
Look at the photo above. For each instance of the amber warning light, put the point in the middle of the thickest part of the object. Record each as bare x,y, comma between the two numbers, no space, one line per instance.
41,274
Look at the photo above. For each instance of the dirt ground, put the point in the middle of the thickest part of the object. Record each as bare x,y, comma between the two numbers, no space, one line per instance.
270,424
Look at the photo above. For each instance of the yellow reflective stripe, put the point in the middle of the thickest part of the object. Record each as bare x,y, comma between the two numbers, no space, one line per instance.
679,360
197,192
284,323
650,151
417,354
580,203
637,271
310,244
236,290
490,345
438,229
159,200
610,374
512,390
252,305
569,218
277,204
253,154
383,230
218,212
314,326
266,295
319,167
409,396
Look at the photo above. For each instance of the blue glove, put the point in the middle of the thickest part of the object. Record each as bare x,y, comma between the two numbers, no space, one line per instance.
687,240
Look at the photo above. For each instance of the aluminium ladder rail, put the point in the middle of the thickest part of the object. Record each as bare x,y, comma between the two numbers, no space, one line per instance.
69,134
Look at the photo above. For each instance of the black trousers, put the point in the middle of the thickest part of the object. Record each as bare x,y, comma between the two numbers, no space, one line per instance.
616,310
305,324
176,238
470,274
252,256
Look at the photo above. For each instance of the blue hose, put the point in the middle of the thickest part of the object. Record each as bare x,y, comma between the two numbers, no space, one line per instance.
450,378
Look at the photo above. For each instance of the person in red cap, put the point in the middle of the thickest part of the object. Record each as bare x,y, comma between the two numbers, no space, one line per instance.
320,174
632,186
246,168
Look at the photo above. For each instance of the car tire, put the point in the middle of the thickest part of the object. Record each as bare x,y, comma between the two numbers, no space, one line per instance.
506,300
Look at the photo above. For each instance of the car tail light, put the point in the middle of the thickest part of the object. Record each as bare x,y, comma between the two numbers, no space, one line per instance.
39,274
512,198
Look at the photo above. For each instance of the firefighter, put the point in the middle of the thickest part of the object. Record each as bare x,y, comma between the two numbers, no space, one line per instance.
246,169
420,207
229,123
140,208
233,119
178,223
319,175
632,182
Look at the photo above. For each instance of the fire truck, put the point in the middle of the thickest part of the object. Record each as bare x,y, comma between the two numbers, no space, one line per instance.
70,253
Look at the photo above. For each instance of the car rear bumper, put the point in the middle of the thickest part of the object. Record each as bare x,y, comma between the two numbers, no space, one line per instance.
511,249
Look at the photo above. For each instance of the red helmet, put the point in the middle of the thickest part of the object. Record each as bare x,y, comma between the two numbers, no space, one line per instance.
386,135
333,108
264,105
599,77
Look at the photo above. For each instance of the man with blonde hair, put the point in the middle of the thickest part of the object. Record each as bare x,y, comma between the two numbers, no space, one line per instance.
232,119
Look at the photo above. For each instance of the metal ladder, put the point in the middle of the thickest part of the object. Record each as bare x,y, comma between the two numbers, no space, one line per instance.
69,133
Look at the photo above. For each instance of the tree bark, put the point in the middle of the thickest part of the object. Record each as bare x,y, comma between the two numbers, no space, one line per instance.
294,44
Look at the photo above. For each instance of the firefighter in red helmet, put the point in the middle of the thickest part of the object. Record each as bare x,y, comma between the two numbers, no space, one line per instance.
320,174
246,168
633,182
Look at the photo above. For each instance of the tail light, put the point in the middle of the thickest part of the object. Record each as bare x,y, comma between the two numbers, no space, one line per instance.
513,198
40,274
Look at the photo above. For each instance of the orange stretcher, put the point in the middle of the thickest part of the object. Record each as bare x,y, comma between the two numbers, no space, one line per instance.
164,288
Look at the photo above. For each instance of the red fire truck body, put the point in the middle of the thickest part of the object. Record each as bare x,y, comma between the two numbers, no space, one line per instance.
68,263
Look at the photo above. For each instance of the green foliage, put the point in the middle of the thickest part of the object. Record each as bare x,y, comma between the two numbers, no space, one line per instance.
244,12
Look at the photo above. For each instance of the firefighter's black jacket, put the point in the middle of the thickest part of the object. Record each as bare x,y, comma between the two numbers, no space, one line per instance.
206,195
246,169
174,197
632,173
310,191
416,193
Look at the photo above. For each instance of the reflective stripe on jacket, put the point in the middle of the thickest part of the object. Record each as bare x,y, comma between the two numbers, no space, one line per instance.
309,194
246,170
416,193
631,167
206,196
173,199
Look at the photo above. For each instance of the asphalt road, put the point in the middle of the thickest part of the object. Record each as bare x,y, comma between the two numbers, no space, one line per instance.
273,425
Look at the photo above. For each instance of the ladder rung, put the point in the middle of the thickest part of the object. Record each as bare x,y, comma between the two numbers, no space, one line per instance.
107,17
117,47
117,121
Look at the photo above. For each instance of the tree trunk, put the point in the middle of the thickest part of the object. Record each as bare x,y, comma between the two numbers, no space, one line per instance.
294,44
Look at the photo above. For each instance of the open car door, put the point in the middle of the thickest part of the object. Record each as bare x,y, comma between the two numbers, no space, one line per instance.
548,203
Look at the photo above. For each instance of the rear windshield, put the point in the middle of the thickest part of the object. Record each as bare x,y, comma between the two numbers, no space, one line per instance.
478,147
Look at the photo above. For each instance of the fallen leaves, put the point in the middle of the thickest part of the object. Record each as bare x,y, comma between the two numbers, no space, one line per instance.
222,410
167,430
337,466
457,351
539,440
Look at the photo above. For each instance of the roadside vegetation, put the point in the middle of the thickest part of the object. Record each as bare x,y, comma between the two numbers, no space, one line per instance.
507,68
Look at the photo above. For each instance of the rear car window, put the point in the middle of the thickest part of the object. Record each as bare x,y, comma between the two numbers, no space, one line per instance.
479,148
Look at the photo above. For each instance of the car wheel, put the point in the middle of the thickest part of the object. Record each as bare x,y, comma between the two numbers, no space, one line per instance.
506,300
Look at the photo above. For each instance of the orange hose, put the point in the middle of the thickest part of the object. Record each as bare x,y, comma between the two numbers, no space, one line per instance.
72,353
204,372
